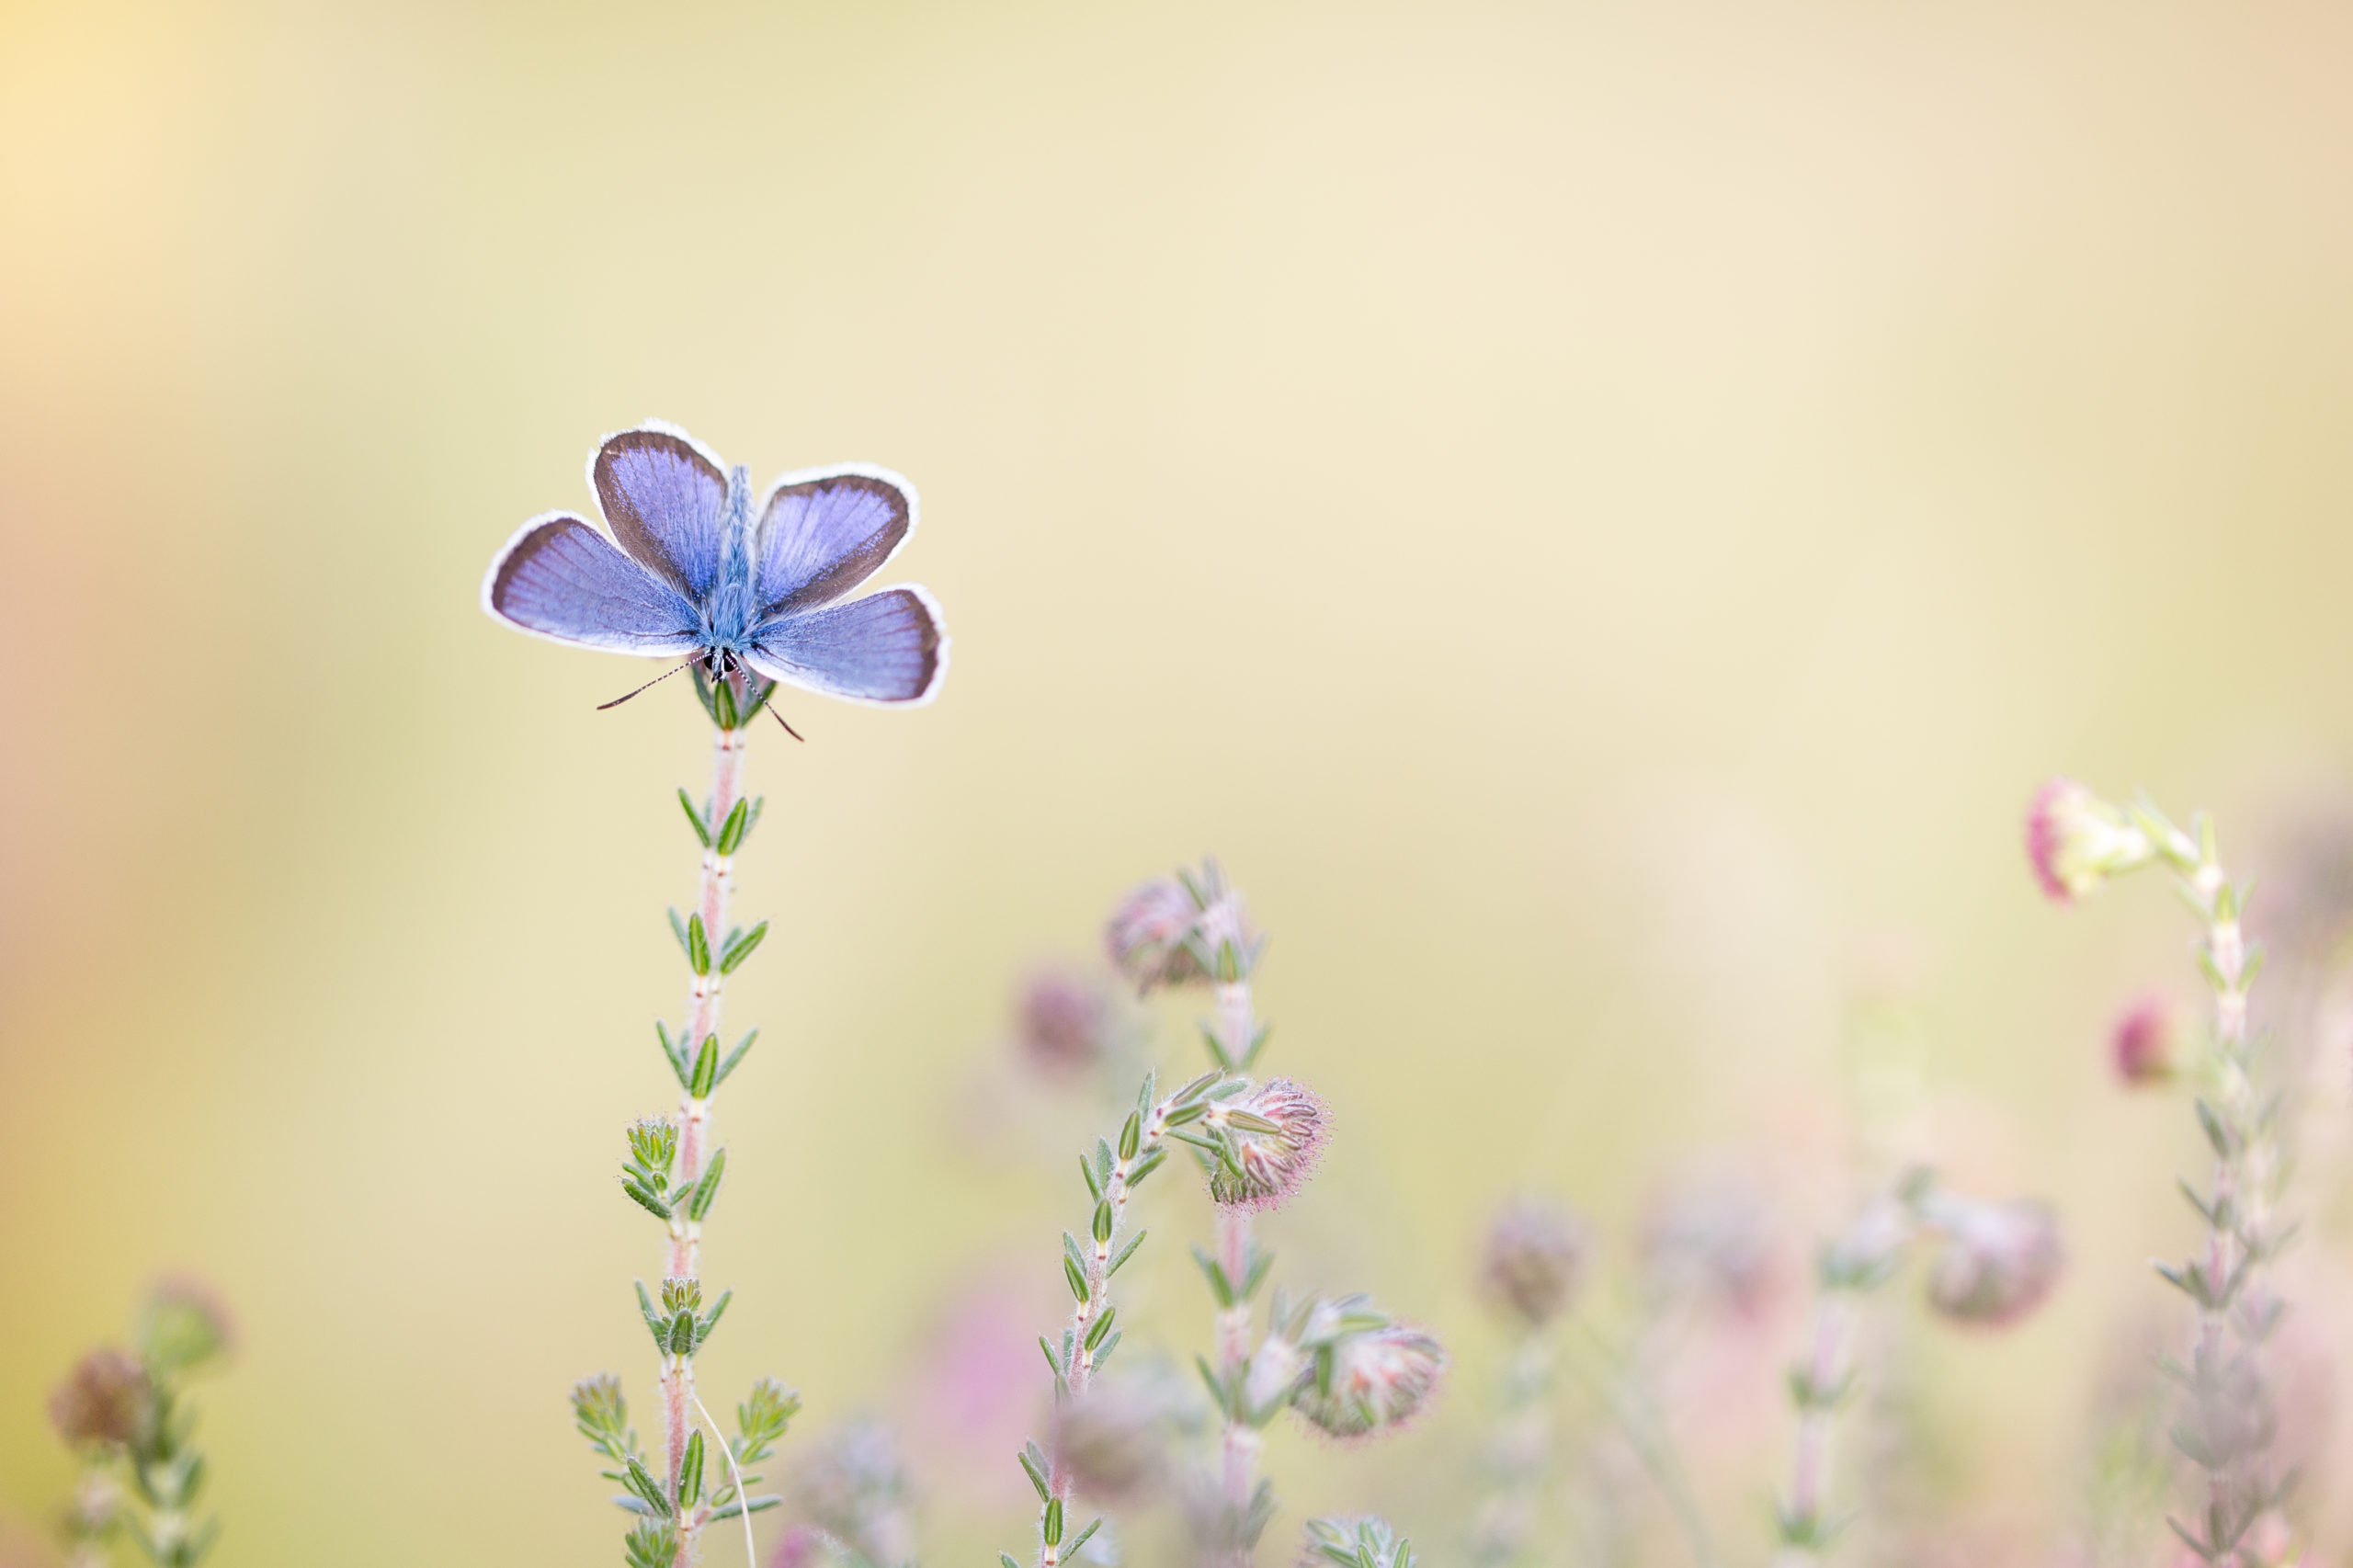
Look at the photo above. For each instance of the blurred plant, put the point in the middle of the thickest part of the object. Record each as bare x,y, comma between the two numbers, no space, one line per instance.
1069,1023
1993,1264
1530,1271
2148,1044
123,1411
2077,841
853,1502
1346,1367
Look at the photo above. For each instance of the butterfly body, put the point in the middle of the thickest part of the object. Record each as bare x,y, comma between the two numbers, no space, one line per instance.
694,568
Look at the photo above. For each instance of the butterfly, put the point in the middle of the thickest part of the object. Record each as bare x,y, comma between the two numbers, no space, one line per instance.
694,569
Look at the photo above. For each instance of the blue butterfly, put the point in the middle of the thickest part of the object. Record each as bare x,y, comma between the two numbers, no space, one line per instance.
739,592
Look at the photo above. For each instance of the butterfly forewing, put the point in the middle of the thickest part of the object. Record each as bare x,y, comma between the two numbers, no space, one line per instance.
825,532
887,647
664,498
561,578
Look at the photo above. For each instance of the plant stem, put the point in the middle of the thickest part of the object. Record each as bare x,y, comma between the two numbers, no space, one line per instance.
679,1402
1079,1370
1642,1430
1237,1029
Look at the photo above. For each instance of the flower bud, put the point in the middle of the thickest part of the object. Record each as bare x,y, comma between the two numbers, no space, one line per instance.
1376,1380
2148,1041
2076,841
1183,930
106,1399
1275,1135
1997,1261
184,1324
1063,1022
1535,1259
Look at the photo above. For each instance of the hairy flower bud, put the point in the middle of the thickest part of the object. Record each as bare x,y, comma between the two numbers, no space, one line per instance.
1377,1380
1997,1261
1535,1259
106,1399
2076,841
1063,1022
2148,1043
1274,1135
1190,929
184,1324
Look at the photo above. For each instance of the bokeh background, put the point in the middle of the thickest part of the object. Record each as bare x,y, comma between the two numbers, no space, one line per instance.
1600,515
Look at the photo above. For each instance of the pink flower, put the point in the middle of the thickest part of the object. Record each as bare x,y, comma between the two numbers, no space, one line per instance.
2147,1042
1061,1021
1377,1380
1190,929
1534,1260
1273,1135
106,1399
2076,841
1998,1261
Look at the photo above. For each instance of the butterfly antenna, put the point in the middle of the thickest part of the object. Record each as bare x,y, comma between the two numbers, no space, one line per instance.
788,729
649,685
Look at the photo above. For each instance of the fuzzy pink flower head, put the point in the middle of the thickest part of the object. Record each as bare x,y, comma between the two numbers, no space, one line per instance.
1189,929
107,1399
2076,841
1063,1022
1997,1263
1273,1137
1534,1260
1372,1381
2147,1042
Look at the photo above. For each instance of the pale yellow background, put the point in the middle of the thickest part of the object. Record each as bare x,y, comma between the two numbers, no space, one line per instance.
1600,513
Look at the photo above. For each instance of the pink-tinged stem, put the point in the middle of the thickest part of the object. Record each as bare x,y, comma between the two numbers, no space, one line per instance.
1237,1027
1060,1482
1810,1472
703,1004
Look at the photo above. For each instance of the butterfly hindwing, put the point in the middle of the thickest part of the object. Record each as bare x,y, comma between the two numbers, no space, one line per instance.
825,531
888,648
561,578
664,498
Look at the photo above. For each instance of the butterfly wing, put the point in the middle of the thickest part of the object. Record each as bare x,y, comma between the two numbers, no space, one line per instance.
664,498
823,532
887,648
560,578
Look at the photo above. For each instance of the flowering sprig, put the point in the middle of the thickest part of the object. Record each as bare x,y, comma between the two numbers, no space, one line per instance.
669,1171
1530,1269
1365,1542
2076,841
1995,1264
124,1412
1111,1174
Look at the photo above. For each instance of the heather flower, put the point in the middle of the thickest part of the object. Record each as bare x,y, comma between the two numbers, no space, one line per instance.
1063,1022
1372,1380
1535,1259
1997,1261
184,1324
1272,1138
106,1398
2148,1043
1365,1542
2077,841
